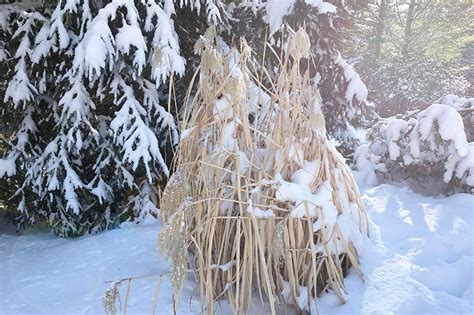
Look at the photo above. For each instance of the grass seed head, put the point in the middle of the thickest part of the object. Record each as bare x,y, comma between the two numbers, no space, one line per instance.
179,265
300,45
279,244
110,297
173,195
158,57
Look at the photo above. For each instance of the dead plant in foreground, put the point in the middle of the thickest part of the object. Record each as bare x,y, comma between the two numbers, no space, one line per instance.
267,204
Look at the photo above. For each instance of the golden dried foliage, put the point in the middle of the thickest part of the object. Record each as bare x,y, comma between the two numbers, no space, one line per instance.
232,228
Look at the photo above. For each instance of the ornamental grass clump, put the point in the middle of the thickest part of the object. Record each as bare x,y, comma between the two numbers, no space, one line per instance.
267,206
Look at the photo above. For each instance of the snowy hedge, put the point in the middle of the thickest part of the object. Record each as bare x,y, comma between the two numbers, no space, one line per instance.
427,149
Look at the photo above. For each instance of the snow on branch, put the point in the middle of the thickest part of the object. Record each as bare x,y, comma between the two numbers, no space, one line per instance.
429,146
132,134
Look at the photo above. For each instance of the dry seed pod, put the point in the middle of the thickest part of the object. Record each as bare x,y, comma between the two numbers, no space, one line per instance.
238,90
179,269
157,57
205,41
210,59
245,51
173,195
110,297
165,240
300,45
171,234
210,34
279,243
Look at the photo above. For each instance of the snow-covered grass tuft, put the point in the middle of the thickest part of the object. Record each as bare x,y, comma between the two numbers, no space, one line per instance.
260,201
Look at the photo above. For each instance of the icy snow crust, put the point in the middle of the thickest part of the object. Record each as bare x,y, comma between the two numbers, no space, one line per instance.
419,260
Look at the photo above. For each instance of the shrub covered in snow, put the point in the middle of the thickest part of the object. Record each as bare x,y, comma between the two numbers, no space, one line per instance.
428,149
465,108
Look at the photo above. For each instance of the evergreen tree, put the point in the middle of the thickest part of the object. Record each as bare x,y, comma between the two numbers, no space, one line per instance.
93,125
90,82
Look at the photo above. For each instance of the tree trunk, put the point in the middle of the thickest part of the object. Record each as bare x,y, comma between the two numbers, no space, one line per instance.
380,28
408,26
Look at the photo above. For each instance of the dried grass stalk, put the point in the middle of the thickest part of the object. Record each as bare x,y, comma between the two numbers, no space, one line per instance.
110,297
246,158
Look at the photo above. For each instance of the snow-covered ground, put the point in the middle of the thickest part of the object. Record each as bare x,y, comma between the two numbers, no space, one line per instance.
419,260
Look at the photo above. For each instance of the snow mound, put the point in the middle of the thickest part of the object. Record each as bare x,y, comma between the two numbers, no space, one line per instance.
428,150
420,260
43,274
